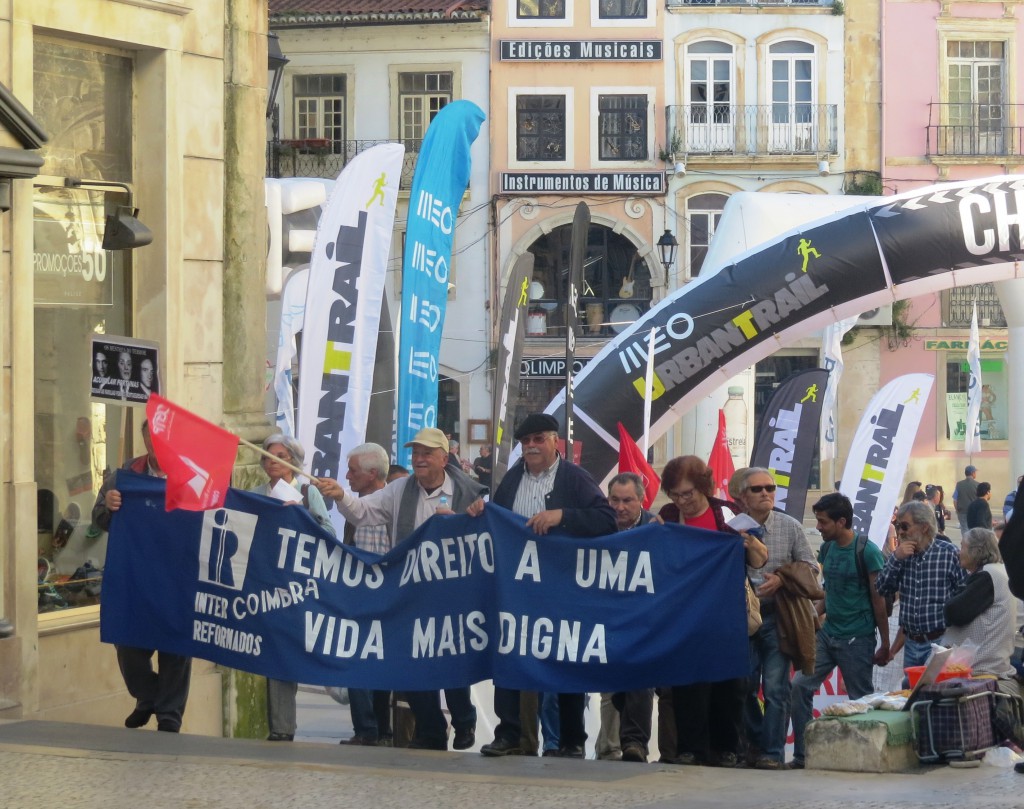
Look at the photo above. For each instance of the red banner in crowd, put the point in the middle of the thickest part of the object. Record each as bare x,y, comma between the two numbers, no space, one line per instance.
631,459
720,461
196,456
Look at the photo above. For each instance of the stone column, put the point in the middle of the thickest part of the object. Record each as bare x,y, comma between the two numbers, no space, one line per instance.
245,221
244,302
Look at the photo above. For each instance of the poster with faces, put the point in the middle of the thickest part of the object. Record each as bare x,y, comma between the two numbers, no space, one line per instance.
124,370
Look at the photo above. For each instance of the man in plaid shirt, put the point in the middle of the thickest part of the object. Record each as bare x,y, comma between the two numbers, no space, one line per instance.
925,571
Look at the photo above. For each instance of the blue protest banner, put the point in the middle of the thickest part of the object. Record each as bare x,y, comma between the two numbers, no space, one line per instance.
256,585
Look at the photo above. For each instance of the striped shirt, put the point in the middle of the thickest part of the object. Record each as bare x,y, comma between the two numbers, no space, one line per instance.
533,490
925,581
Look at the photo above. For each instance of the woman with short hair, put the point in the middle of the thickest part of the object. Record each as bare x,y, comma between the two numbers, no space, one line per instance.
983,611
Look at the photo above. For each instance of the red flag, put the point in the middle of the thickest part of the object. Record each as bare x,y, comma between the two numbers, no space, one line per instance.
631,459
197,456
720,462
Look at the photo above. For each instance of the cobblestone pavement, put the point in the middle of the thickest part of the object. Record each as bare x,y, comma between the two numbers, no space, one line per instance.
69,766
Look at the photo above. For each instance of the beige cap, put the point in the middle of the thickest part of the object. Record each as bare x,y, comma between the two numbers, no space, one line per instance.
429,437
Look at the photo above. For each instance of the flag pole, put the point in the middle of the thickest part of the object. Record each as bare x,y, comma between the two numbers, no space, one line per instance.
283,463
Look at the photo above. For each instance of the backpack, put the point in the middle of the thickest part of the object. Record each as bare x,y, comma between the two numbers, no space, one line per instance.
860,543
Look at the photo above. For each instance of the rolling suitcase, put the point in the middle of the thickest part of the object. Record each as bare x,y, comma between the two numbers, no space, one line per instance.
953,719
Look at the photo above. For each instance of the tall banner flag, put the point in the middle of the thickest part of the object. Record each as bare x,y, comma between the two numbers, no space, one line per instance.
506,373
577,253
293,307
785,440
873,478
347,270
259,586
442,174
832,359
632,459
720,461
972,435
196,456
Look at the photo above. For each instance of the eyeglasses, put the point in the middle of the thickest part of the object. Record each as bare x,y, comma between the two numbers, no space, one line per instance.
535,438
768,487
904,526
686,494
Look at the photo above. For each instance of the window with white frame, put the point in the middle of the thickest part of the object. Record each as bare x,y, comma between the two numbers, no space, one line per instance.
710,113
976,94
622,127
319,103
540,9
703,213
421,96
540,128
791,90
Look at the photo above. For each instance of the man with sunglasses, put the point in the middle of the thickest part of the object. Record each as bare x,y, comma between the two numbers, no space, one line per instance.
925,573
786,542
554,495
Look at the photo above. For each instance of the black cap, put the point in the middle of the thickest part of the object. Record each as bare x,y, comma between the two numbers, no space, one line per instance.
536,423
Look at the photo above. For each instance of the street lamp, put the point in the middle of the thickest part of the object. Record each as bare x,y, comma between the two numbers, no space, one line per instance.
275,68
667,245
275,71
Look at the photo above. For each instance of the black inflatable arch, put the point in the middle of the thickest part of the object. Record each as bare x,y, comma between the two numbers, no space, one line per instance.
830,269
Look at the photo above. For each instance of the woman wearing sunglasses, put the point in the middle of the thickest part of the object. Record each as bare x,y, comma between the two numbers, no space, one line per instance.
709,716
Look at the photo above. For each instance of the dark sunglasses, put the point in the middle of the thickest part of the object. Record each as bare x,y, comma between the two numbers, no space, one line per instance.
904,526
769,487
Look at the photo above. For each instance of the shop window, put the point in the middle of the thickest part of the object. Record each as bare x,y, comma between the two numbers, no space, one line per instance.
616,286
540,128
622,127
622,9
951,403
83,98
540,9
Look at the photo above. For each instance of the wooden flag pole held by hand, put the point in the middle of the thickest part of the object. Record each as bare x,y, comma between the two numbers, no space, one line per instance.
283,463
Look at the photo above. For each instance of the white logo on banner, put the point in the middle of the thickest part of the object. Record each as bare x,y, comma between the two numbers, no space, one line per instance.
224,547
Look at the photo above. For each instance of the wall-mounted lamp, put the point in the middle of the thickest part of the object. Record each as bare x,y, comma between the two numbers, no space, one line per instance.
667,245
276,61
680,168
823,170
123,230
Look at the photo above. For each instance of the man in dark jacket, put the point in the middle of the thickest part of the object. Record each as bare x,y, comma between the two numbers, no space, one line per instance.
163,692
553,494
979,512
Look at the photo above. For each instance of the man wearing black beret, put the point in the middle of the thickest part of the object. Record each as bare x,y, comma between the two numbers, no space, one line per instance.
553,494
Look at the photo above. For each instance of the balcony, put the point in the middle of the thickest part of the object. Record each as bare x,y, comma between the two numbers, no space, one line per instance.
958,304
974,130
324,158
737,129
734,3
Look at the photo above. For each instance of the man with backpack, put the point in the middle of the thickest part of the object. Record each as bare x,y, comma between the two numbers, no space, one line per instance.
853,611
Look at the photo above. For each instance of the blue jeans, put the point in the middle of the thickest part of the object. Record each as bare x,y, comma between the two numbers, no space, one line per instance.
547,712
771,666
853,657
364,720
915,654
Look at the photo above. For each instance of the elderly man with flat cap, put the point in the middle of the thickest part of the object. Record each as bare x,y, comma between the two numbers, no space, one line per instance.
554,495
435,487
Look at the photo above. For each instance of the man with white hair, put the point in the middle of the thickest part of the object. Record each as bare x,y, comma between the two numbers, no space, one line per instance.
368,466
435,487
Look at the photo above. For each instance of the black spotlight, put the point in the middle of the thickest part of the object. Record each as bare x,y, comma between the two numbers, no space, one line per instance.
124,231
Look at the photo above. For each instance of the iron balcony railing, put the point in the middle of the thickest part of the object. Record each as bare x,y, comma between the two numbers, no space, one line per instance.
766,129
975,130
685,3
323,158
958,304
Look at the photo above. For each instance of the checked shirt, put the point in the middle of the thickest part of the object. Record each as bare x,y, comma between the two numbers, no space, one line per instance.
925,582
